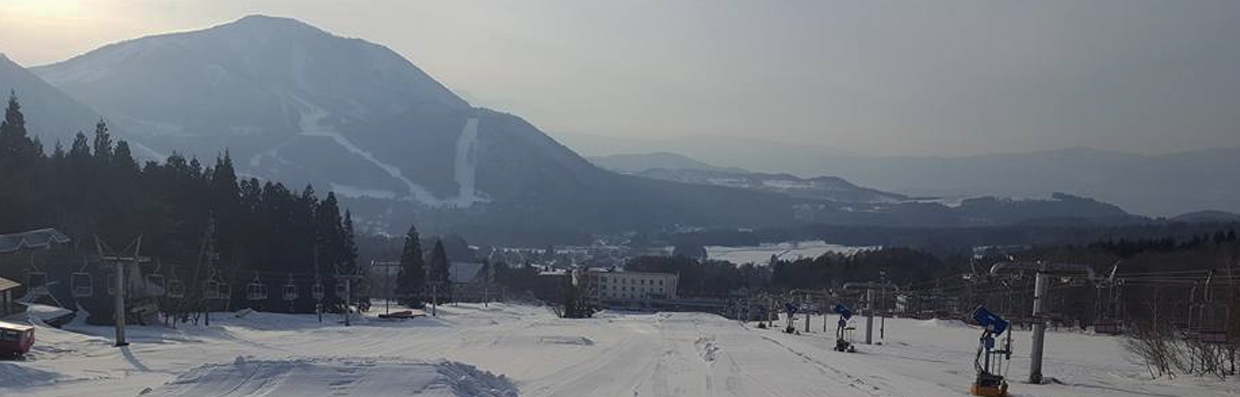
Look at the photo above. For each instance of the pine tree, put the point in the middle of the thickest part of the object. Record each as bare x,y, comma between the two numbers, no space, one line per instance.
14,143
412,275
439,269
103,142
348,247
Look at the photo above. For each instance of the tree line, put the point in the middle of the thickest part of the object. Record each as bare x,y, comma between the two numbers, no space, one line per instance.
96,187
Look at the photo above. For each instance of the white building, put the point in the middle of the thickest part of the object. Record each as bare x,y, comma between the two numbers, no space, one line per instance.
629,287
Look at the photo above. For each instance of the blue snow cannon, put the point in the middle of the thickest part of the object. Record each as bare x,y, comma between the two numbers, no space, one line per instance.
843,311
992,322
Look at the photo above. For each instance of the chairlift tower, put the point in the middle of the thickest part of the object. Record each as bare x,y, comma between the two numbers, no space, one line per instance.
118,261
1043,273
869,305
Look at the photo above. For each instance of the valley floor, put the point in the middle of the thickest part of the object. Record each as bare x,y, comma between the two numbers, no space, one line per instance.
511,350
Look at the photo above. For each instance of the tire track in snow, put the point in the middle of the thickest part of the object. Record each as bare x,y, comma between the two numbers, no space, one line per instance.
855,382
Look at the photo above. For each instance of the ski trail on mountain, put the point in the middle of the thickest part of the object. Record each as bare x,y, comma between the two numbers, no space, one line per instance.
466,167
310,126
465,170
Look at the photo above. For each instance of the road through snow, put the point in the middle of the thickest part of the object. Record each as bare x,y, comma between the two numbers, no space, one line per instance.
614,354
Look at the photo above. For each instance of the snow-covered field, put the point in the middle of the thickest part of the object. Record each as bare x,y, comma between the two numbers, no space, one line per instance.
510,350
761,254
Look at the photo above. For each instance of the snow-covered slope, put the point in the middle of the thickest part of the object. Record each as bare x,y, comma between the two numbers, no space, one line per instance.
526,351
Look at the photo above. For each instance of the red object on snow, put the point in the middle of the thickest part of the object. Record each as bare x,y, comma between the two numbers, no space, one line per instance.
15,339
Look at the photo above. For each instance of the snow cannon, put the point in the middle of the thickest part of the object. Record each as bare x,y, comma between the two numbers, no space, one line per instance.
989,382
843,333
844,312
994,324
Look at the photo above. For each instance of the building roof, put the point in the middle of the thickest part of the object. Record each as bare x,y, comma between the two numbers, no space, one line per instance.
41,238
463,272
6,284
15,326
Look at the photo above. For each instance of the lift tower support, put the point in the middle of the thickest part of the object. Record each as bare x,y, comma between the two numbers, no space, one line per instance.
1043,271
869,304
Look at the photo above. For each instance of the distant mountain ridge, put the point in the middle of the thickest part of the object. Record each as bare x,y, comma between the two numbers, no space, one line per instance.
1149,184
637,163
679,168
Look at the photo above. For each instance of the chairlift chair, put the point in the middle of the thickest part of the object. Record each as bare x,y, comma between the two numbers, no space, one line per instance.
341,288
290,290
256,290
225,291
82,284
316,291
111,284
211,289
176,289
36,282
158,281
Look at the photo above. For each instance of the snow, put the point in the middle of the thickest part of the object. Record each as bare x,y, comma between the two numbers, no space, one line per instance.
761,254
305,377
511,350
466,169
358,192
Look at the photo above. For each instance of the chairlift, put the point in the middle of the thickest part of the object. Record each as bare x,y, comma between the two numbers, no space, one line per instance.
82,284
341,288
225,291
256,290
36,282
211,289
176,288
156,279
316,291
290,290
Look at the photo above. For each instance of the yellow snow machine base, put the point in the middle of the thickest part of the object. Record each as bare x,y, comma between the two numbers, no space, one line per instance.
988,385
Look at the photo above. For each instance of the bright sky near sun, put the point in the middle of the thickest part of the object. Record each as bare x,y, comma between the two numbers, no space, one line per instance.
936,78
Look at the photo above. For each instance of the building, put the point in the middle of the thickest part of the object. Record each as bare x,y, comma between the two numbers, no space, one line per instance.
6,296
469,283
622,288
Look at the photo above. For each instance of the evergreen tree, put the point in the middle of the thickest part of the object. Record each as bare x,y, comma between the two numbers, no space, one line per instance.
14,144
103,142
439,269
412,275
348,247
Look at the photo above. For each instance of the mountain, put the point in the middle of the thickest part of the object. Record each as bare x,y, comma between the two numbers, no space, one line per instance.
51,115
1208,217
637,163
296,104
1148,184
823,187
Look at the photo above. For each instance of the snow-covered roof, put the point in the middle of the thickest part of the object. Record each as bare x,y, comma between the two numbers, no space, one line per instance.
41,238
6,284
463,272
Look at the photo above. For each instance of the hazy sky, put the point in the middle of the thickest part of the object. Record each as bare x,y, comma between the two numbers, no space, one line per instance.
910,77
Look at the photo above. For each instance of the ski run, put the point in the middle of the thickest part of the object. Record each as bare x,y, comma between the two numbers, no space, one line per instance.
519,350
